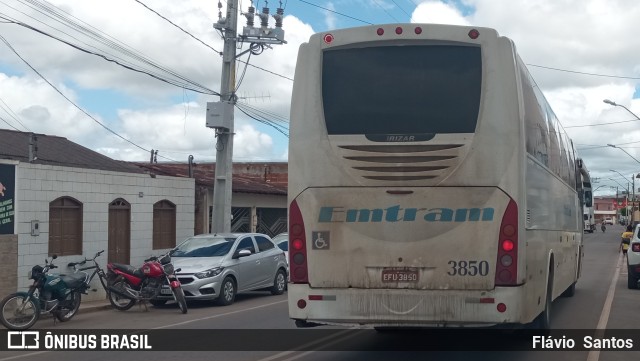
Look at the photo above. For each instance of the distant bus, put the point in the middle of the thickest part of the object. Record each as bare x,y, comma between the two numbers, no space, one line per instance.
430,182
588,213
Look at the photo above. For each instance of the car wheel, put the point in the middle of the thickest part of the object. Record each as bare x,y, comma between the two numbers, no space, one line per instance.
279,283
227,292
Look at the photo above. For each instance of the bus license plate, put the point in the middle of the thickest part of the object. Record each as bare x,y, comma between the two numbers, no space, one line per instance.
400,275
165,291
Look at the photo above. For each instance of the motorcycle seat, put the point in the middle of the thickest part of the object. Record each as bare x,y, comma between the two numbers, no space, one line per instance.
73,280
128,269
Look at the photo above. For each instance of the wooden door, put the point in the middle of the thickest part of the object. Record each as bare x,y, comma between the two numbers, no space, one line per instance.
119,231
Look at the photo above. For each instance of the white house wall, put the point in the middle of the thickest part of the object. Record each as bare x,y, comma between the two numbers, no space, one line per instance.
38,185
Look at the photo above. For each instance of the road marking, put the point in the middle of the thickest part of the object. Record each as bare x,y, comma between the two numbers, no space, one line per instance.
335,339
216,316
594,355
21,356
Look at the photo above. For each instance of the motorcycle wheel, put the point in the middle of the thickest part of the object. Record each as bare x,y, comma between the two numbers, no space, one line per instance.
69,307
178,294
118,302
19,311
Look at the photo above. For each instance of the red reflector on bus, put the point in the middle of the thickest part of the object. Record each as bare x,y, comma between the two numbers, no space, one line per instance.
328,38
473,34
418,30
501,307
488,300
315,297
380,31
507,245
398,30
302,303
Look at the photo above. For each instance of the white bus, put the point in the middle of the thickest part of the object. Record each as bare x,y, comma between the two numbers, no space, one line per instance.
589,215
430,183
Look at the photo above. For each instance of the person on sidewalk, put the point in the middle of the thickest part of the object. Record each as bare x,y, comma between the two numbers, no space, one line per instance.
626,239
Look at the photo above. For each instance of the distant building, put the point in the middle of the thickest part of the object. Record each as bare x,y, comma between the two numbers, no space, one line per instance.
259,200
608,207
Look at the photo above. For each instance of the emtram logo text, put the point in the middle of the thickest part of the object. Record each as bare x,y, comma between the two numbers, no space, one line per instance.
398,214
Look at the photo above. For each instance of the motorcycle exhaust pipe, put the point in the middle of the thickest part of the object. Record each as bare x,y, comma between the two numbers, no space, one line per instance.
121,294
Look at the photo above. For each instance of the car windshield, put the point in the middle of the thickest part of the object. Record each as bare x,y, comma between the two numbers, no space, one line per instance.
204,247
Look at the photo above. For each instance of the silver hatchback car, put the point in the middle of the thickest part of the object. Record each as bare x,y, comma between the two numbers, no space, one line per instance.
218,266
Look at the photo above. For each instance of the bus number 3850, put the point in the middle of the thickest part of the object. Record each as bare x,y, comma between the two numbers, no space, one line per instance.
468,268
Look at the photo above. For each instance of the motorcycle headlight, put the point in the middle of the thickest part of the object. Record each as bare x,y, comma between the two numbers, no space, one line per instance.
209,273
168,268
35,272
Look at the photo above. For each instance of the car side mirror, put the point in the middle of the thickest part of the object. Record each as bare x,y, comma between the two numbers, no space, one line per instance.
242,253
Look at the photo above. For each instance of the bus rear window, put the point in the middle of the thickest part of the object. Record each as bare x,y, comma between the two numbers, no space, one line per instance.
402,89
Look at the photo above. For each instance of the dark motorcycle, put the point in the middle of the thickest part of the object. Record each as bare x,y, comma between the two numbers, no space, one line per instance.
49,293
128,284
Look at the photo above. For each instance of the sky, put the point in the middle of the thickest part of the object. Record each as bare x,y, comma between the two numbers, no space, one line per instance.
579,51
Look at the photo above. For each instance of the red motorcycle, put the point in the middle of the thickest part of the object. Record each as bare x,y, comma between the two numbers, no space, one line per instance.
128,284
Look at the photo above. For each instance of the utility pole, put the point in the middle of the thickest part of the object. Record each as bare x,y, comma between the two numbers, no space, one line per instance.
220,115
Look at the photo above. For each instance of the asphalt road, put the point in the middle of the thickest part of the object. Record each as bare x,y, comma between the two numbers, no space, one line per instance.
601,300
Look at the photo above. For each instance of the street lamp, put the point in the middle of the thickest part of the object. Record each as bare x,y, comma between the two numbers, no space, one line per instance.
627,197
615,146
607,101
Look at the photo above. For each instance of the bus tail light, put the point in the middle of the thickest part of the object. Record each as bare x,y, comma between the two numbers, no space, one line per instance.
507,262
298,246
635,247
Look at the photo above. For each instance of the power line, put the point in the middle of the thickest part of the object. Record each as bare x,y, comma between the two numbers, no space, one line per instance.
584,73
335,12
600,124
385,10
52,13
9,124
399,7
70,101
12,114
208,46
177,26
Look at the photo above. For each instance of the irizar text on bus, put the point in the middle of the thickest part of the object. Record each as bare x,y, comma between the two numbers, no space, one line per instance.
397,214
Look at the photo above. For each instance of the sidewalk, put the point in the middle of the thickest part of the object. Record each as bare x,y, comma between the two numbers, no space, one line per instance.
94,306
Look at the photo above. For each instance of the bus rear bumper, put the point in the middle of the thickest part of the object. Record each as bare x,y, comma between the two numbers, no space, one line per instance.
404,307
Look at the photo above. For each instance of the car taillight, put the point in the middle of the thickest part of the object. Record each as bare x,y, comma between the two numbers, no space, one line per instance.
298,249
635,247
507,263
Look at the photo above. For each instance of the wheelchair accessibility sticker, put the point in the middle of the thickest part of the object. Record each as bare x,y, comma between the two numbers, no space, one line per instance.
321,240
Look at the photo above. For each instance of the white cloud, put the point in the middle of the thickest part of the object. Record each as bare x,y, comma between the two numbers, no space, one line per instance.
436,12
592,36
